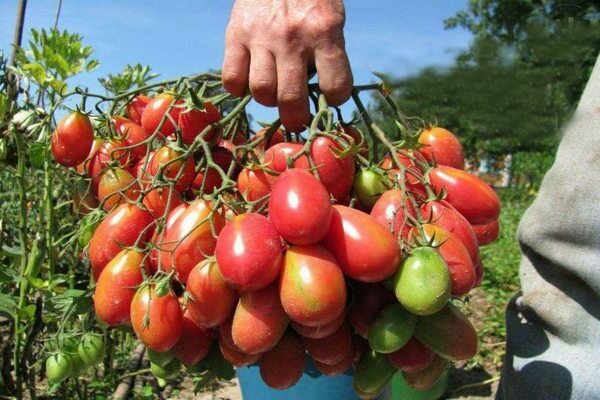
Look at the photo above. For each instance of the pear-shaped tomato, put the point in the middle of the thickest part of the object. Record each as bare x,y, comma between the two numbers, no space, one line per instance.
456,256
312,286
116,186
392,329
170,164
276,159
369,185
422,284
230,351
299,207
283,365
121,227
72,140
154,115
276,137
391,211
249,252
442,147
372,373
213,300
471,196
157,321
319,332
207,180
193,121
367,301
135,108
339,368
427,377
161,201
116,287
110,153
134,135
254,185
158,237
364,249
194,342
336,170
259,320
190,239
412,357
487,233
331,349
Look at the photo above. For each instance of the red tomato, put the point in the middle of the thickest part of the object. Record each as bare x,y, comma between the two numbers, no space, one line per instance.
336,369
299,207
368,300
253,184
319,332
230,351
276,138
140,169
110,153
118,122
157,321
390,211
331,349
116,287
364,249
357,137
259,320
116,186
84,200
442,147
471,196
135,108
487,233
158,237
312,286
213,301
159,202
173,167
276,157
412,357
135,135
249,252
405,157
121,227
442,214
193,344
190,239
211,179
283,365
336,172
72,139
155,111
453,251
193,121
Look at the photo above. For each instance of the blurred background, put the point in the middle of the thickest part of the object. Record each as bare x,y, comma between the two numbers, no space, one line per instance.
504,76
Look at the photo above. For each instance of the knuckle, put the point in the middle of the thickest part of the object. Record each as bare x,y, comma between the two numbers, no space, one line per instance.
290,97
328,25
262,86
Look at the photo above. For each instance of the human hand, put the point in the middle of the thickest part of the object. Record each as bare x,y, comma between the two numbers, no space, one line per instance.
270,46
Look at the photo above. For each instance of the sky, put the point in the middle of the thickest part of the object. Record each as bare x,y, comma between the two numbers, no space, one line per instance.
182,37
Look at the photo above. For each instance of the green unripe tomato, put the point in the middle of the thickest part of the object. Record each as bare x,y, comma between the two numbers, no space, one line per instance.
160,358
168,371
392,329
369,185
58,367
372,373
91,350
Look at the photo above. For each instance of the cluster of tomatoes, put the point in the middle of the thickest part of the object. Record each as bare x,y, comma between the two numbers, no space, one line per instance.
269,247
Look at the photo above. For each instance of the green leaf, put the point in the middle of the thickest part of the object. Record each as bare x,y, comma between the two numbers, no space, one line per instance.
3,104
36,71
36,153
8,306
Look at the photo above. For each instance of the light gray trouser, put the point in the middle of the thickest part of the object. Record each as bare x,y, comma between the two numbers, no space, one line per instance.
553,326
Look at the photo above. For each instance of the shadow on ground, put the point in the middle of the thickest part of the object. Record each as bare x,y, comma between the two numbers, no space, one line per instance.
468,384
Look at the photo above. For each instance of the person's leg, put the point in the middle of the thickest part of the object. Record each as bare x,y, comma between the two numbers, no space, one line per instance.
553,326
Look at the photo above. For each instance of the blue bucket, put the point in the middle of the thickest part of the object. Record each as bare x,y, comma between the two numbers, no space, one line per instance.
312,386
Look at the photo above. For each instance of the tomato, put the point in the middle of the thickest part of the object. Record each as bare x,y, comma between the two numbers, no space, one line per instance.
320,331
392,329
87,227
487,233
425,269
213,301
259,320
190,239
364,249
412,357
276,137
369,186
135,135
167,371
457,258
116,186
283,365
372,373
442,214
368,300
471,196
357,137
159,202
331,349
116,287
158,237
194,343
174,168
84,200
157,321
391,211
109,153
299,207
275,159
249,252
312,286
136,107
58,368
442,147
121,227
336,171
210,178
336,369
139,170
154,114
428,376
160,358
91,349
230,351
193,121
254,185
72,139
